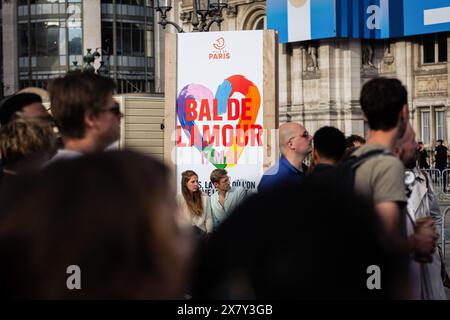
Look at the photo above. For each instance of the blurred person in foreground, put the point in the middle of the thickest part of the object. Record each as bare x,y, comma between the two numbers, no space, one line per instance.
98,212
86,112
288,258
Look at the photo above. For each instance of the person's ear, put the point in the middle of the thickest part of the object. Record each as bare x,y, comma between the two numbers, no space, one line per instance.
405,113
90,119
290,145
215,184
315,156
365,117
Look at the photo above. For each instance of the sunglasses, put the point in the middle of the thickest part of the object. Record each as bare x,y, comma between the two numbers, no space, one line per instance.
115,109
305,134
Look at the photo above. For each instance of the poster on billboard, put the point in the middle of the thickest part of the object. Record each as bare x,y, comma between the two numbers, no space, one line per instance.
303,20
219,106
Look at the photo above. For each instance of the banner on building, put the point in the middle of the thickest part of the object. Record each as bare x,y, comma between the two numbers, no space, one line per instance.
219,110
300,20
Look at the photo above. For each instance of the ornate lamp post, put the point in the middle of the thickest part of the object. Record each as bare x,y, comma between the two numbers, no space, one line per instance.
89,60
202,8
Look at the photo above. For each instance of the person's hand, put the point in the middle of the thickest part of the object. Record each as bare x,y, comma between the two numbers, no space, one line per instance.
425,238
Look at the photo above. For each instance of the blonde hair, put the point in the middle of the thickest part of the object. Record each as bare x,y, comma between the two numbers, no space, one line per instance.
26,139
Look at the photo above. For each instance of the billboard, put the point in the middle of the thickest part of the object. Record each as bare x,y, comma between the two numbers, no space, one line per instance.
219,116
300,20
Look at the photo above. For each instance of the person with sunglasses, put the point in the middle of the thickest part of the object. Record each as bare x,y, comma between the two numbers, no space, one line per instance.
86,112
295,145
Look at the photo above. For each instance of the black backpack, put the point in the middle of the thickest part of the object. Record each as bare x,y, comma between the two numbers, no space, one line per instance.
344,173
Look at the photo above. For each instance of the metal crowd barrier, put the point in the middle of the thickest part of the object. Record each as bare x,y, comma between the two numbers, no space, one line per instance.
443,241
441,183
445,182
436,177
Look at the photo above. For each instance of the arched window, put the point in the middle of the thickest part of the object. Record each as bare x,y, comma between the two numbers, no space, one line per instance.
254,18
260,23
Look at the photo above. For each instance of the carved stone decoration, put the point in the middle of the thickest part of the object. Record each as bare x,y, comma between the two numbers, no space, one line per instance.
367,55
388,57
232,11
312,58
427,86
185,16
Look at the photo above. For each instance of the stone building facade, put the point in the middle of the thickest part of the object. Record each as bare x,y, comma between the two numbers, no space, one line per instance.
320,81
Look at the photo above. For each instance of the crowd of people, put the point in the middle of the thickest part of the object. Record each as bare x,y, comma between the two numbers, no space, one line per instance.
310,232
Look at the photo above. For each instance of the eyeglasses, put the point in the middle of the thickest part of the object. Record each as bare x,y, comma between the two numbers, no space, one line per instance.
305,134
115,109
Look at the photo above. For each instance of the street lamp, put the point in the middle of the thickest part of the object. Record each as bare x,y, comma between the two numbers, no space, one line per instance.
89,60
202,8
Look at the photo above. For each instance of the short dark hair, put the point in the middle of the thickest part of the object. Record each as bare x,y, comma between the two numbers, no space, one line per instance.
354,138
15,103
330,143
73,95
382,100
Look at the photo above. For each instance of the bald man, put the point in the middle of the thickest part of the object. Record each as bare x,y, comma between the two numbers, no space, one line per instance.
295,145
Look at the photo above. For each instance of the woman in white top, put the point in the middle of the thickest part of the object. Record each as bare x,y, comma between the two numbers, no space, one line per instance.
194,204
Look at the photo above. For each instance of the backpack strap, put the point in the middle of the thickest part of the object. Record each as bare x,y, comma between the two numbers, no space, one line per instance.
359,160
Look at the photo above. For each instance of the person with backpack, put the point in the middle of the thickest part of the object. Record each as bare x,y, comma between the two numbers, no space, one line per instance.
380,178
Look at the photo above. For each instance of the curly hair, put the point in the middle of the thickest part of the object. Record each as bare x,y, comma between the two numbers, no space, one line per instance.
26,139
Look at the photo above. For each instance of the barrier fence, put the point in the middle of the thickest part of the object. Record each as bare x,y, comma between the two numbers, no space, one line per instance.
441,184
444,241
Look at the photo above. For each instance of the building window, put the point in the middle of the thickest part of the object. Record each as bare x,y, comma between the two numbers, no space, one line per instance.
426,127
434,48
440,125
433,124
255,19
260,24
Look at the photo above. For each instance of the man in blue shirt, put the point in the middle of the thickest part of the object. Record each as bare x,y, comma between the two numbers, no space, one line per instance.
295,145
